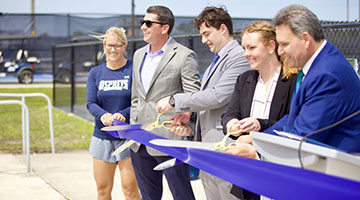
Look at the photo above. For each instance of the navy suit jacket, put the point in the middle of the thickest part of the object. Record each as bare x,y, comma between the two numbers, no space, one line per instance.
329,92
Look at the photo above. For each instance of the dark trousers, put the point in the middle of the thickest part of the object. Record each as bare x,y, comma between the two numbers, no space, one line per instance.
243,194
150,181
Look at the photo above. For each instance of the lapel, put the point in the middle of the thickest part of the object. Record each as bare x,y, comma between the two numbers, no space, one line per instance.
314,69
249,90
280,95
169,53
317,67
206,77
137,68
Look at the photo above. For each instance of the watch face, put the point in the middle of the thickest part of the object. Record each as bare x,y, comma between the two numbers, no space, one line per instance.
172,101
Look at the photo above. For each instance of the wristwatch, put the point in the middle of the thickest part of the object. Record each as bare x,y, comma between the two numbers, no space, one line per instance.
172,101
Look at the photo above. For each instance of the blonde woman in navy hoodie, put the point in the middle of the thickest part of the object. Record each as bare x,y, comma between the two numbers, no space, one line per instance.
108,97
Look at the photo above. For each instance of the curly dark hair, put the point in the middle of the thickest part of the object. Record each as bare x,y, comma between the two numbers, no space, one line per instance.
214,16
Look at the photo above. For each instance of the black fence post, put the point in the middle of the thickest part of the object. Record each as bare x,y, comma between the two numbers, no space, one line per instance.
72,70
53,72
191,42
96,55
133,48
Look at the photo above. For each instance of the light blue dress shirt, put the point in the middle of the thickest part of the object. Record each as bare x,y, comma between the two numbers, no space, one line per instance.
150,63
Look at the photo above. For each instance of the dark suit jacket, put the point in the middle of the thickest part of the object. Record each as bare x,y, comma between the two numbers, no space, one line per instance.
329,92
241,100
240,106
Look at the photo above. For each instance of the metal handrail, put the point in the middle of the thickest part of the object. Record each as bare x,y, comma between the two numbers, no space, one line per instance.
27,128
23,95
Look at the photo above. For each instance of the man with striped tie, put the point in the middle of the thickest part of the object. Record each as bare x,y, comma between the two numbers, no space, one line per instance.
217,85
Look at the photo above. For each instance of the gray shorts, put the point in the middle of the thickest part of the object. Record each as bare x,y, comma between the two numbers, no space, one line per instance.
102,149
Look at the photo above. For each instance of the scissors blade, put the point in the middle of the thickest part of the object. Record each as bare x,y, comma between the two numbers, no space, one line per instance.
122,127
184,144
167,164
123,147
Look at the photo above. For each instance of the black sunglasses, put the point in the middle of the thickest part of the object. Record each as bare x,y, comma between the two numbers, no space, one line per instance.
149,23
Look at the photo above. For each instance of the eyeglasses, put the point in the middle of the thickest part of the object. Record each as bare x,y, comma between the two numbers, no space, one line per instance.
149,23
116,47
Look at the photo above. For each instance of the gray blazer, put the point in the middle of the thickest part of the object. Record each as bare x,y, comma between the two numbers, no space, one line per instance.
176,72
215,94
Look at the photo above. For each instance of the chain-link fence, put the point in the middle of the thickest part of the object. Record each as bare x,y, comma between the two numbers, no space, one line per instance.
345,36
70,93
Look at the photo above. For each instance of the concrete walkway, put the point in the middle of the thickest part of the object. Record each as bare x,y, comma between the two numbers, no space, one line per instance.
59,176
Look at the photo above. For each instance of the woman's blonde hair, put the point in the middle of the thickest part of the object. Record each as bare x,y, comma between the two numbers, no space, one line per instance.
115,31
268,33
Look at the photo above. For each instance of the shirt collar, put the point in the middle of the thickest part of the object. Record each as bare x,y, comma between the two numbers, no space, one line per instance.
308,64
161,51
223,50
274,78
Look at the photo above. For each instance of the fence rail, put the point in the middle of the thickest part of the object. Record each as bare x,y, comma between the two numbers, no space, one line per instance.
25,129
23,95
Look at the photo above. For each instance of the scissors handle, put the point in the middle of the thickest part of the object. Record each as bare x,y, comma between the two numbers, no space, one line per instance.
222,144
156,124
164,124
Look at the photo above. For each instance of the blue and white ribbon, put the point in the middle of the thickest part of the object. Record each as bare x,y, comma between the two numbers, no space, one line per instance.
268,179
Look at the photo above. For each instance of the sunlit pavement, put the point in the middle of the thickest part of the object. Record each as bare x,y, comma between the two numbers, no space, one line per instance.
59,176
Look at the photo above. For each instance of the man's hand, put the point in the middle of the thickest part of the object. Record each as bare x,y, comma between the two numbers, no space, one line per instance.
118,116
163,105
243,147
182,130
181,118
106,119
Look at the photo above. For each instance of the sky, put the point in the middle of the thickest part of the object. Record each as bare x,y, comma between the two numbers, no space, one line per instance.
334,10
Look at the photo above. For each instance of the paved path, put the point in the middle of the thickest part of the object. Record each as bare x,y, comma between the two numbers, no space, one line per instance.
38,78
59,176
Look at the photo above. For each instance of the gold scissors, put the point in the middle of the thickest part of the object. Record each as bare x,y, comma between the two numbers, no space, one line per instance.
221,145
156,124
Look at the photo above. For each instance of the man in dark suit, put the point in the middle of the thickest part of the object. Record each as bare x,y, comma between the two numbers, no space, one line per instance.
161,68
329,90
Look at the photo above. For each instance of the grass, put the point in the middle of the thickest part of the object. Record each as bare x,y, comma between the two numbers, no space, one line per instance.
63,97
70,132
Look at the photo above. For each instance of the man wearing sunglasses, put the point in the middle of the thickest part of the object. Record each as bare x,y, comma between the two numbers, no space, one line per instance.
161,68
